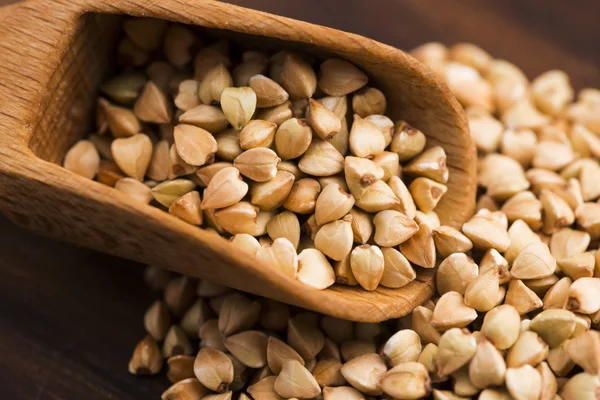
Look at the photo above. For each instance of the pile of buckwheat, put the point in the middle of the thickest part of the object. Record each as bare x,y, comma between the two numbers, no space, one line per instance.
301,170
517,306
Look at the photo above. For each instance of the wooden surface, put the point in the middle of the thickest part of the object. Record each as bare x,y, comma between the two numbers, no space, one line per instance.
69,317
54,95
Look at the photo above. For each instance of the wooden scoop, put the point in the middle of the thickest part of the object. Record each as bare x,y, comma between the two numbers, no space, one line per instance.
55,53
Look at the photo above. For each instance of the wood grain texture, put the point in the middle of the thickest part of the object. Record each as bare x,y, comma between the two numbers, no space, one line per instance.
69,319
57,92
57,348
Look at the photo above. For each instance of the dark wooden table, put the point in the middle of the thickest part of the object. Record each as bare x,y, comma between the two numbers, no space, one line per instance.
69,317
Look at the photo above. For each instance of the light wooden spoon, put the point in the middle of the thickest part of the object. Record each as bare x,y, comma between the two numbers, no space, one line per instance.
53,56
